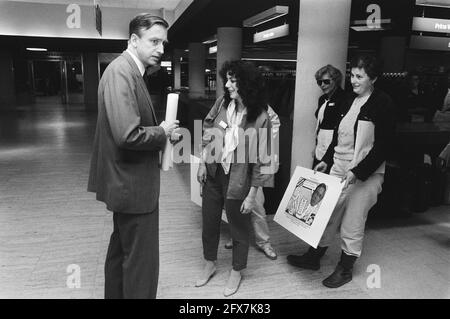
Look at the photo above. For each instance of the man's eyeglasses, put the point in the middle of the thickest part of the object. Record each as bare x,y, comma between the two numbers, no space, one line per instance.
324,81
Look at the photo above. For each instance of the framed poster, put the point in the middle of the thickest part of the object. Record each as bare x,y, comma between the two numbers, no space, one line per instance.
308,203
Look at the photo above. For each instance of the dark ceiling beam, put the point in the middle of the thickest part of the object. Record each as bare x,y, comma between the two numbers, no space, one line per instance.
186,19
200,22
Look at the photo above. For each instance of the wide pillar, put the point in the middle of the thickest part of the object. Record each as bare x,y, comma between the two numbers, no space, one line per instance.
91,80
7,88
176,68
197,65
229,47
319,43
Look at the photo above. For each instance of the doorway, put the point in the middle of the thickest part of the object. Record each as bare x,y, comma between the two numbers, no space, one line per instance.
57,82
46,82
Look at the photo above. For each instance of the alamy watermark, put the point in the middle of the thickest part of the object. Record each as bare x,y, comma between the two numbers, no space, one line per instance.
374,279
255,146
74,277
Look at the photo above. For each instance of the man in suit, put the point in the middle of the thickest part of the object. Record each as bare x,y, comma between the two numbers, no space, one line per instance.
124,171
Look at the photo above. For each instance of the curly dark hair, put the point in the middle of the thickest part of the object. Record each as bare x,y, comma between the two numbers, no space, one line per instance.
250,85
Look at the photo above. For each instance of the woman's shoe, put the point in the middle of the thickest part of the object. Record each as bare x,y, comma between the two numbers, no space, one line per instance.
268,250
233,283
208,273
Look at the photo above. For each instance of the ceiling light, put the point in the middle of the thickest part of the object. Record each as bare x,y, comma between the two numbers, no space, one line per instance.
272,33
212,50
366,28
431,25
262,17
36,49
210,40
434,3
363,25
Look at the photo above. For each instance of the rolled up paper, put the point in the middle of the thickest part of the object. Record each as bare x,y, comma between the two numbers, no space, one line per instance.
171,115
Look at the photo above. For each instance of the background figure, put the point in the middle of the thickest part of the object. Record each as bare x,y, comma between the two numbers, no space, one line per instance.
359,160
442,99
446,95
329,79
124,171
259,216
417,100
227,182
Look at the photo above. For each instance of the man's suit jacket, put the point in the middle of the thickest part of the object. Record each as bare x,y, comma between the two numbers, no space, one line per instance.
124,169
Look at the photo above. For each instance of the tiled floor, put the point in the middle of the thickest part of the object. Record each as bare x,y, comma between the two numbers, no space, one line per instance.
48,221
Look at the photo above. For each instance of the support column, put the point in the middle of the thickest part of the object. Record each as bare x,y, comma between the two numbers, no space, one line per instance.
392,52
7,88
197,65
229,47
91,79
176,68
319,43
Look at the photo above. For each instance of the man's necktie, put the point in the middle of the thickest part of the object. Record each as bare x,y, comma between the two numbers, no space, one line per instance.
146,80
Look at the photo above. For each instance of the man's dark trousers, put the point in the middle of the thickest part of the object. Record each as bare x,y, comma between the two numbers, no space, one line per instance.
132,261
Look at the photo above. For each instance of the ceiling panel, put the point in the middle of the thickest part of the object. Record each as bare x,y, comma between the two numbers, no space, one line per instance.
139,4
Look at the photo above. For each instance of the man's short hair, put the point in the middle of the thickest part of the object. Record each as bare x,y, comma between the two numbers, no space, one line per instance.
144,21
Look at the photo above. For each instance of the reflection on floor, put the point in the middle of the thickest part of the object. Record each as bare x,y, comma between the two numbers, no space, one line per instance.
48,221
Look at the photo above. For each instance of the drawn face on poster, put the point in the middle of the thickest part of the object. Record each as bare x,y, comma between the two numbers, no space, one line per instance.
305,200
308,203
318,194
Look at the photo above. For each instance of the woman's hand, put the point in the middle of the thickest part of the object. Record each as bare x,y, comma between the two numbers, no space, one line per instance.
321,167
201,174
248,205
349,178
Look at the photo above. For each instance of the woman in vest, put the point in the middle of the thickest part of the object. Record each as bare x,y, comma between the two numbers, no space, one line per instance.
361,144
329,79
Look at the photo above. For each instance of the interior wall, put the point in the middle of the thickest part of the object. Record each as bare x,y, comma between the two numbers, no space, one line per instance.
50,20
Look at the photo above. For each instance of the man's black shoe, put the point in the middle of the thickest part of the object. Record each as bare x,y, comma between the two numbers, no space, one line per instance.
338,278
304,261
309,260
343,272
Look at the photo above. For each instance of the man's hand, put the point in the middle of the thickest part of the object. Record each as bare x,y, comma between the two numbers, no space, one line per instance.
175,137
201,174
349,178
321,167
248,205
169,127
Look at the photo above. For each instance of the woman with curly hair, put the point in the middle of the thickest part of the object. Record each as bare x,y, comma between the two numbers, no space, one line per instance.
231,171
